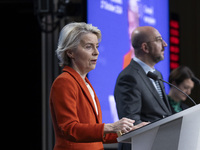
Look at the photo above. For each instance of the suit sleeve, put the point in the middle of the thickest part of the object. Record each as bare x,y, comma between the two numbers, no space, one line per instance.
128,98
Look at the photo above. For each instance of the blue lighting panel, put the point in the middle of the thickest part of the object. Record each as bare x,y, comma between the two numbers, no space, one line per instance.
117,19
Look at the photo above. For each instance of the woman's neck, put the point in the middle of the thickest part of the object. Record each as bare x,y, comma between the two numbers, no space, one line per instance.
173,96
83,75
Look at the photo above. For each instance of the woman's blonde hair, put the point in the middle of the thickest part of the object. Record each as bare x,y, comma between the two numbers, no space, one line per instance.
70,37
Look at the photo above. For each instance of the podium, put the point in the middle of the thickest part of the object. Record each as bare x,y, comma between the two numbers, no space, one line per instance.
180,131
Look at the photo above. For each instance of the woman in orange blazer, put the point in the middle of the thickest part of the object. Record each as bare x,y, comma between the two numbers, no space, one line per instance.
75,108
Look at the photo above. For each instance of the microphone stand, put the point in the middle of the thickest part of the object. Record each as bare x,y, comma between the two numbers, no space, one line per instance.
155,77
180,91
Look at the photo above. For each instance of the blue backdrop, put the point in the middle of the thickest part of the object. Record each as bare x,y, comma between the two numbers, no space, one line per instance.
113,19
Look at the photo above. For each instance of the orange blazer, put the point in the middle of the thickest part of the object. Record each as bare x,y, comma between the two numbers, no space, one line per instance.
76,124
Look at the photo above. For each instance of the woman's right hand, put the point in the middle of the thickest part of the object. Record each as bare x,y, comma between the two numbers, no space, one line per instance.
122,126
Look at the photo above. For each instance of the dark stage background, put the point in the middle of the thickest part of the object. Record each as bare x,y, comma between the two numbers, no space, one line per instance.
21,41
21,44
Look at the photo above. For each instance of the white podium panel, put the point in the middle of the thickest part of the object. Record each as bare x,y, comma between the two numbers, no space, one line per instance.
180,131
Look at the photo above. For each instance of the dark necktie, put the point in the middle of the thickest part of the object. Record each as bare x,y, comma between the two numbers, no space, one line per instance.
159,89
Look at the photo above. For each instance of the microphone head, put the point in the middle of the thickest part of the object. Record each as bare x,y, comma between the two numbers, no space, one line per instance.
152,76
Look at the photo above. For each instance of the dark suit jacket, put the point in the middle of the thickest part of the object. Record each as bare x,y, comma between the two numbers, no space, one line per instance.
76,123
136,96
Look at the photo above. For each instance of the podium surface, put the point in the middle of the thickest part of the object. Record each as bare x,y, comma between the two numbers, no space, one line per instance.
180,131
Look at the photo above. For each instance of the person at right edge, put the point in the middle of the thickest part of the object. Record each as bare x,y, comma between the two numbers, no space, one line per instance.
182,78
137,96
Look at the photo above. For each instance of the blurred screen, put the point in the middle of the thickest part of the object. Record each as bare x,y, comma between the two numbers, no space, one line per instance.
117,19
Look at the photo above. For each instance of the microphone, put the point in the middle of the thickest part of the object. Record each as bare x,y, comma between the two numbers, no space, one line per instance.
196,80
155,77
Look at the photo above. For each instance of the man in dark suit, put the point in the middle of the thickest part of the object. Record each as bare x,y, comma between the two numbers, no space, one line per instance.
137,96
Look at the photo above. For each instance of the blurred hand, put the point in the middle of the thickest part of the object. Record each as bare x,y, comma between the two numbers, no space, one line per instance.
140,125
122,126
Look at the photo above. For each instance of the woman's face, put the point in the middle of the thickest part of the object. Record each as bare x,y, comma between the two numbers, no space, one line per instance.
186,86
84,58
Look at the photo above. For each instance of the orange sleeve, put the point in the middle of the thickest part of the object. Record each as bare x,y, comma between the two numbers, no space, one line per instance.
110,138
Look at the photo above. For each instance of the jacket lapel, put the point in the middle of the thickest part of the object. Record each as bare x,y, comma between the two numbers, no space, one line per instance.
85,90
150,85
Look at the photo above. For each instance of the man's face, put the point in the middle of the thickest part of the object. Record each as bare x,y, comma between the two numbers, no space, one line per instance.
156,48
